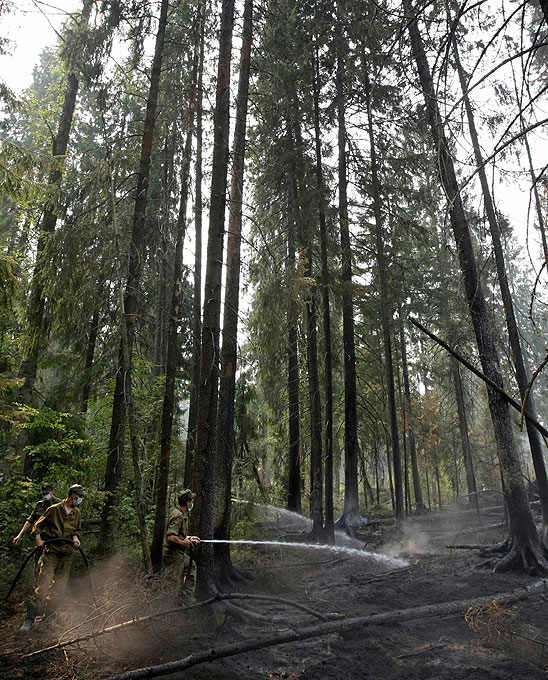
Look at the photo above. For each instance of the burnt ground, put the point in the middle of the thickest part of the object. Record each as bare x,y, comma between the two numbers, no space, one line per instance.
494,642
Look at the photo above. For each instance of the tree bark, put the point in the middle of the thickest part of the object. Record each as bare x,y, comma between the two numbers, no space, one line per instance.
351,504
465,441
90,353
197,293
326,312
115,453
544,7
227,387
203,474
293,372
525,551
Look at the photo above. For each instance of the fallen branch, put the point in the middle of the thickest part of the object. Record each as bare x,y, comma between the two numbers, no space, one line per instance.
467,547
485,379
216,598
120,626
319,630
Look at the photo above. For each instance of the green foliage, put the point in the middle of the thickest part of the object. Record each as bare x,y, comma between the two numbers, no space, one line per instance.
58,447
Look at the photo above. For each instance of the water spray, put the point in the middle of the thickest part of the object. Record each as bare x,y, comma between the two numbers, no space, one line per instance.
351,552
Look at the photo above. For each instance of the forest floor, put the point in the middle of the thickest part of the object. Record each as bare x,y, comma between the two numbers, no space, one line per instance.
489,642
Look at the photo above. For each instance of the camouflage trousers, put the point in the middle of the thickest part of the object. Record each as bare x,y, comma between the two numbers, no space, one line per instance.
54,571
177,564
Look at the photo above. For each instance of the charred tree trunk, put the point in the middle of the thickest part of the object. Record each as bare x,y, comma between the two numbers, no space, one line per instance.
172,337
197,293
115,453
203,474
37,326
522,376
351,504
227,389
326,313
465,441
385,305
524,550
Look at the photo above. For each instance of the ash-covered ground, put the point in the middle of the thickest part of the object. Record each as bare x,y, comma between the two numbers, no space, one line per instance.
477,643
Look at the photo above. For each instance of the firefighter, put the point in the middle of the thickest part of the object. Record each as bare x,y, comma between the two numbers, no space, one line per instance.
61,520
179,546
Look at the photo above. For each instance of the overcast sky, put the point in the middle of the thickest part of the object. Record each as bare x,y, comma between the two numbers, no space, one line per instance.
31,26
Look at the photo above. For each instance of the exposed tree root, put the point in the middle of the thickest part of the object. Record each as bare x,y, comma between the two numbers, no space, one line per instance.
523,556
330,627
512,555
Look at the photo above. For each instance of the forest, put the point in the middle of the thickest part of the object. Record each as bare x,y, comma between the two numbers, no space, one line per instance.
291,255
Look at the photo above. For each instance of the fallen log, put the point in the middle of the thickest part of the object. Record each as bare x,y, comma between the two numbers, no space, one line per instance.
219,597
463,546
320,630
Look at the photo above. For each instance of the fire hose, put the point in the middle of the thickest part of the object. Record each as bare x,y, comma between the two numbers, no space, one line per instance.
53,540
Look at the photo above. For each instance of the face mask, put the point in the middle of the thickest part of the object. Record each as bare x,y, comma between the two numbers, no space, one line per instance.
78,500
191,507
47,497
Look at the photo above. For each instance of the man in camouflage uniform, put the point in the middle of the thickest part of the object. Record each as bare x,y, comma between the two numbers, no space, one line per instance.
178,546
39,509
61,520
48,498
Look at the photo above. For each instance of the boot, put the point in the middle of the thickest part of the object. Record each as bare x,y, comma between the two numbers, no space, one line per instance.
27,623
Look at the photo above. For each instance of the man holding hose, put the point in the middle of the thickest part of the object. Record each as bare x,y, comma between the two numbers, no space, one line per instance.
60,521
178,547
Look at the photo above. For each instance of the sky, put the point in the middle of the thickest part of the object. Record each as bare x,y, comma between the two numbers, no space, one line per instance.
31,26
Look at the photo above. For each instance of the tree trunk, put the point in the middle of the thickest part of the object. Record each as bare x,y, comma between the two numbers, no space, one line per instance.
385,305
465,441
197,293
419,503
37,326
203,474
293,381
525,551
511,323
326,313
351,504
293,375
115,453
227,388
172,357
544,7
90,353
304,228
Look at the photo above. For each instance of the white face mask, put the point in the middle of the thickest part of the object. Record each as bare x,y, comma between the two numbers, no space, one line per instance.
47,497
78,500
190,508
